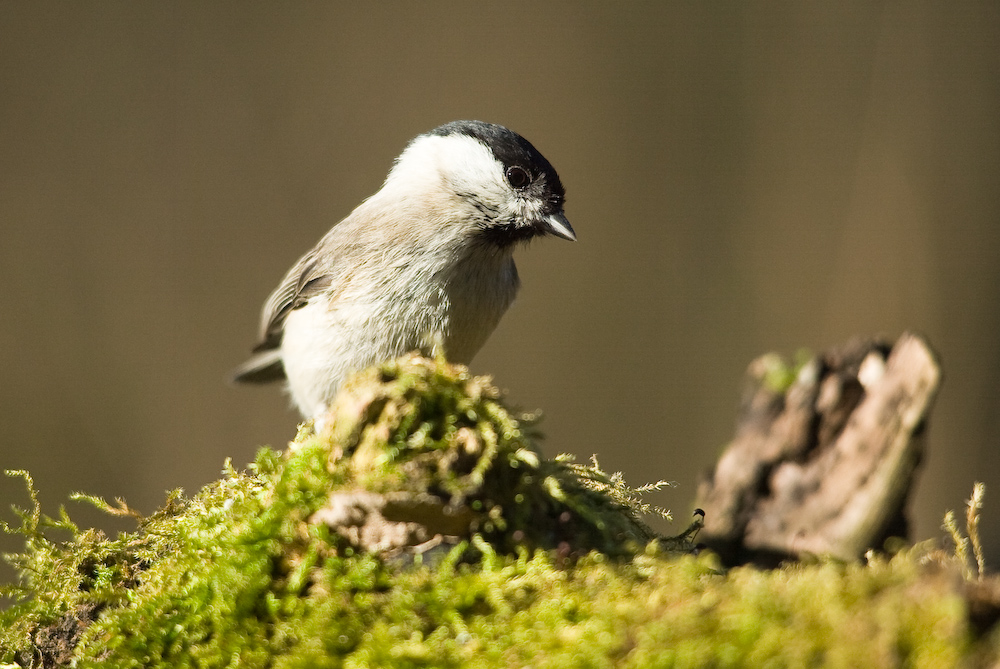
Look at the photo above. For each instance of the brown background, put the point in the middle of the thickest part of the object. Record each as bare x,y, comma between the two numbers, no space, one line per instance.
743,178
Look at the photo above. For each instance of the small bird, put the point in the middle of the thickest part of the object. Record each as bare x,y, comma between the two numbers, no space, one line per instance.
426,261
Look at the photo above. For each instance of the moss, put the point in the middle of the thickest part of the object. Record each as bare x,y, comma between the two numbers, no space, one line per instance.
542,562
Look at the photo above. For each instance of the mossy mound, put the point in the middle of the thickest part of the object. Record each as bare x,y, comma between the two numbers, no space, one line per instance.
423,464
422,442
424,530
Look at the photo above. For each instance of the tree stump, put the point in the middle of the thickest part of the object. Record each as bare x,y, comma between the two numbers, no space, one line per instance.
824,458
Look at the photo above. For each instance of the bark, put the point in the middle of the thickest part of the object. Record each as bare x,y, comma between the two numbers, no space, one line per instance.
823,465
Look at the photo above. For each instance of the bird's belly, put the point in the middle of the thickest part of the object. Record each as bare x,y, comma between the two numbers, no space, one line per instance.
321,345
325,341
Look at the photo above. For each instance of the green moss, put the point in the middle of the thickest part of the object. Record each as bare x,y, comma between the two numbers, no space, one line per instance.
550,565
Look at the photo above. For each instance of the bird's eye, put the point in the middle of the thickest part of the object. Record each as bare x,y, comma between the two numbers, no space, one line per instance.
518,177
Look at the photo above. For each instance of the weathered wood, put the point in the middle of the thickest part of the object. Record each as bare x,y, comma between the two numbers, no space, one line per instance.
824,465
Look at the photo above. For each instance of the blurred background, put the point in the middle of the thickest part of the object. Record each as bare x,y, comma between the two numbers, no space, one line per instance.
743,177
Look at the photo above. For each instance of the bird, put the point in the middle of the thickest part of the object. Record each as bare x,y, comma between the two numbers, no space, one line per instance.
426,263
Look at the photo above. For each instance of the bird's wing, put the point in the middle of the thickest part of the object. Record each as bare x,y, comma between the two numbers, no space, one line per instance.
310,276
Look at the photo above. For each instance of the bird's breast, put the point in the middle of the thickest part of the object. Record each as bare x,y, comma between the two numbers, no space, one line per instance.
478,291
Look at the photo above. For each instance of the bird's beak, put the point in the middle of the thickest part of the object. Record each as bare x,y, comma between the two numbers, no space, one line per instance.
556,224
